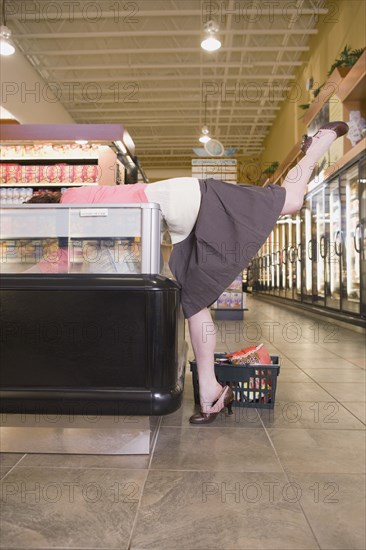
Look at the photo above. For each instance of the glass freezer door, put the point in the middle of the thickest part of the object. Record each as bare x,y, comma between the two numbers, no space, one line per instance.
306,253
333,245
318,252
290,258
283,255
351,240
276,260
297,256
362,233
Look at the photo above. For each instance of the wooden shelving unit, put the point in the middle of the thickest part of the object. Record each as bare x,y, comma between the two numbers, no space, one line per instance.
350,92
351,87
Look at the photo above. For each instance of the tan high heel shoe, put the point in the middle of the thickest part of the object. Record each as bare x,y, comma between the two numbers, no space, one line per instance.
225,399
339,127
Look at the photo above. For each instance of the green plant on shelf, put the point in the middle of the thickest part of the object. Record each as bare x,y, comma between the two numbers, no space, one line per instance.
347,58
317,90
271,169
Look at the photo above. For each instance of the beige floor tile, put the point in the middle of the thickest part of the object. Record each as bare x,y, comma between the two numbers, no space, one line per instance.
299,391
312,415
8,461
330,362
320,451
217,510
294,375
202,448
358,409
346,391
335,508
63,507
349,374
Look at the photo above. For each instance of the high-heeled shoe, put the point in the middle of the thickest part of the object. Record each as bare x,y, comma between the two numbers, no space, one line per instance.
340,128
225,399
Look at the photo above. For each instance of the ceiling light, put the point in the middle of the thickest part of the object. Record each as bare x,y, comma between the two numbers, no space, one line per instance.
205,138
81,141
211,41
6,48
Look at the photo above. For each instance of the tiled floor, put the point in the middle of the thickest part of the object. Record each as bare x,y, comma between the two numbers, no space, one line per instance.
289,478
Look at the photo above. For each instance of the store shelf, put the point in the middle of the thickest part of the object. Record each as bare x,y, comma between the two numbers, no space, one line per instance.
46,184
6,160
351,87
329,89
350,155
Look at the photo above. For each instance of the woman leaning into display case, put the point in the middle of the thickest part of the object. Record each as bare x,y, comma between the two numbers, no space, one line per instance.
216,228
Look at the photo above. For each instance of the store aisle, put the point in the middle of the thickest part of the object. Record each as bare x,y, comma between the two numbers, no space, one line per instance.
292,478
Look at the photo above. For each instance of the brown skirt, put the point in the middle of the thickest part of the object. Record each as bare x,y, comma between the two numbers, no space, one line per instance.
232,224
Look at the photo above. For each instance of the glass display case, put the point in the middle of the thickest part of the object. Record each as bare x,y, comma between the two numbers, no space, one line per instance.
100,239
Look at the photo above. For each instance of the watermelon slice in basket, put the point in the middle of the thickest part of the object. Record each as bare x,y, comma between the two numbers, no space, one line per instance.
253,355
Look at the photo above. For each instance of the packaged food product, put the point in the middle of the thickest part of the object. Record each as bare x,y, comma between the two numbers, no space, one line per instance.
31,174
12,173
77,173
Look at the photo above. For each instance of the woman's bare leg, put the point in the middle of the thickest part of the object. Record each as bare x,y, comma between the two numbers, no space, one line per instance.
203,338
298,177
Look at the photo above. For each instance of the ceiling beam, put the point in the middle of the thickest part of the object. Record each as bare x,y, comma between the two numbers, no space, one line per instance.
153,78
137,51
141,66
162,123
176,109
126,12
160,33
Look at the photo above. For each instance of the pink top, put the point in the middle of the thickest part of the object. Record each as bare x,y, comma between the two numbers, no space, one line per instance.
122,194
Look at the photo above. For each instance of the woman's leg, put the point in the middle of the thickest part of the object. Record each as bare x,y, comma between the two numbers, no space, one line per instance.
203,338
298,177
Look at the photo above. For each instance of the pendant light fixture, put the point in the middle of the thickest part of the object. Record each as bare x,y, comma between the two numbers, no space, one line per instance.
6,47
205,136
211,42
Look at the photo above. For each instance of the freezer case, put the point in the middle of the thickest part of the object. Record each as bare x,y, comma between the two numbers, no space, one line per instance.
82,332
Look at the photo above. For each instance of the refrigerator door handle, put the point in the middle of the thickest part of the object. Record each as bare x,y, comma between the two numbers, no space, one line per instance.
292,254
338,243
310,249
284,256
357,237
298,253
322,247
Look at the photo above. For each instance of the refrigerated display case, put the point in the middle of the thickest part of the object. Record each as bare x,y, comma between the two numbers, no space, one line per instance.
277,261
297,257
362,229
318,251
350,278
323,263
86,316
333,245
306,253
